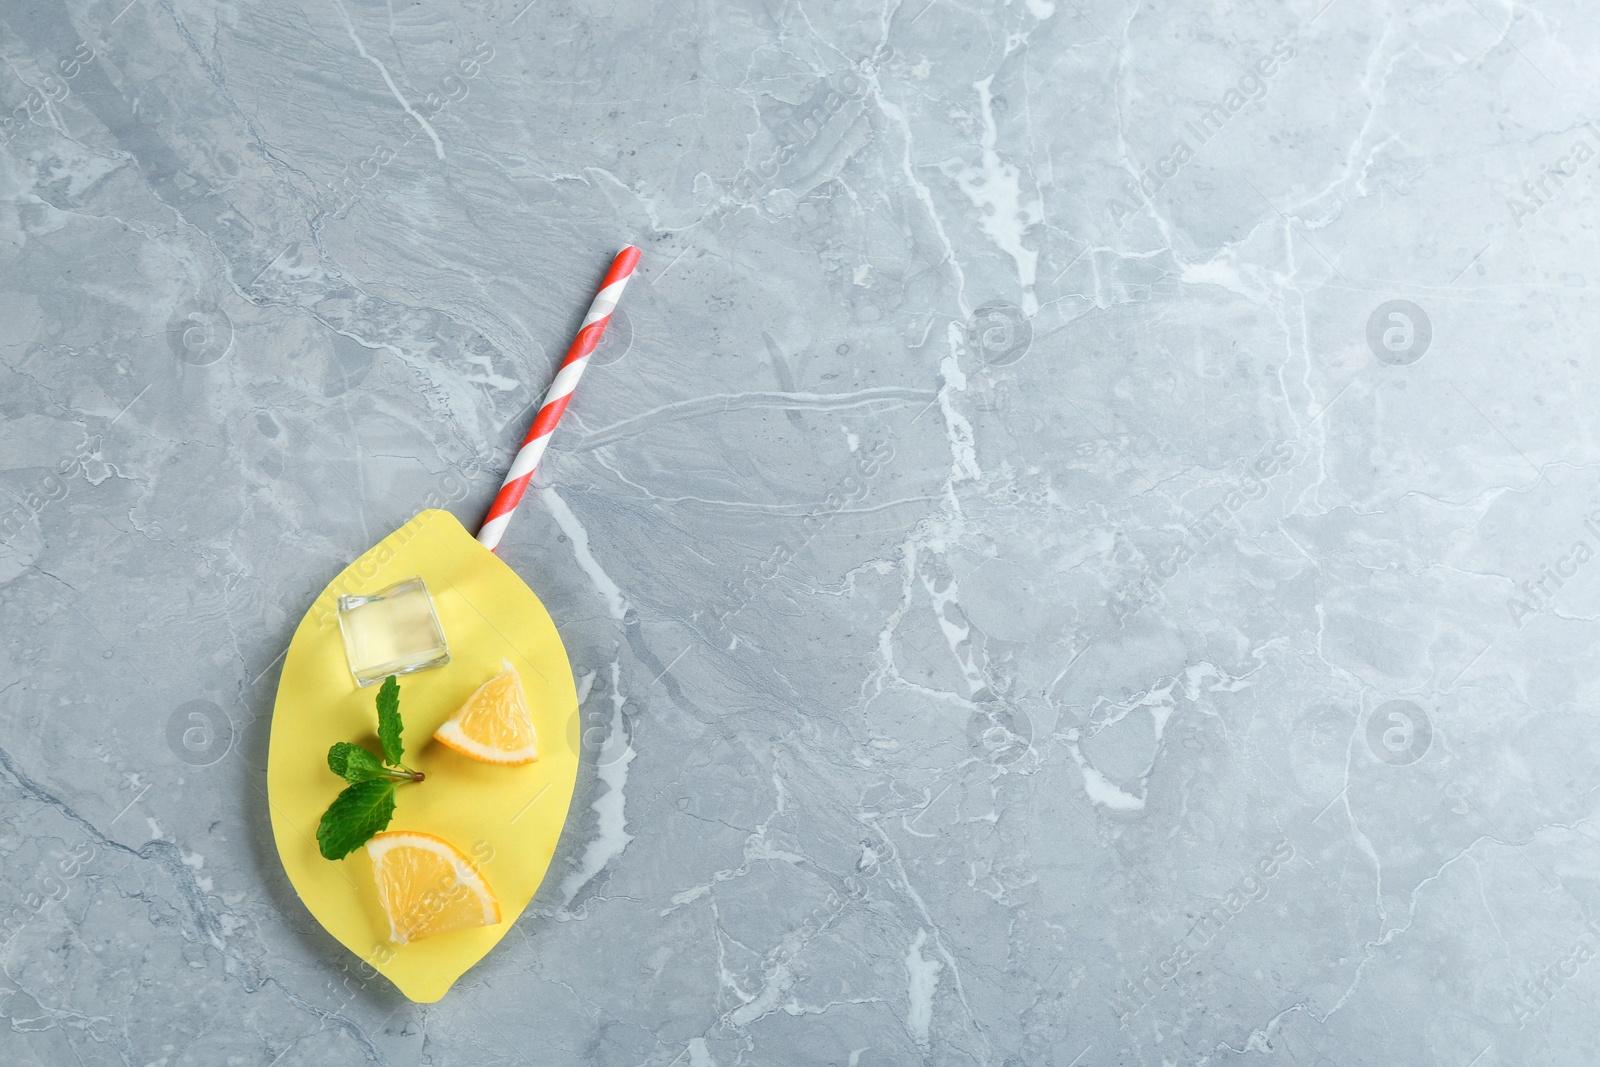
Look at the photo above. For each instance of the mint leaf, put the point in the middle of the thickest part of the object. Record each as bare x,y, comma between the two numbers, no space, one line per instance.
354,763
389,721
362,810
367,804
339,757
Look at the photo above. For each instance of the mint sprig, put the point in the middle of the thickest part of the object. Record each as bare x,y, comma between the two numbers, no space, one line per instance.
366,805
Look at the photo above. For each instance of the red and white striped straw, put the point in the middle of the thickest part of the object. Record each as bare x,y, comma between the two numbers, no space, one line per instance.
555,400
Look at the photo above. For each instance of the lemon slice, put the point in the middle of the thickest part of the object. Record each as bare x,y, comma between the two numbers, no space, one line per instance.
427,887
493,725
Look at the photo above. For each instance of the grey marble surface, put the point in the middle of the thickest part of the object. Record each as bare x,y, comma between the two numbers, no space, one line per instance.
1077,549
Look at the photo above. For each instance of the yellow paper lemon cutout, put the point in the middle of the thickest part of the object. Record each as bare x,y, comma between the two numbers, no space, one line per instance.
507,819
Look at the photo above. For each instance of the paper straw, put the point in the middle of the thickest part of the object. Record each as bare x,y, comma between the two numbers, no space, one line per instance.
555,400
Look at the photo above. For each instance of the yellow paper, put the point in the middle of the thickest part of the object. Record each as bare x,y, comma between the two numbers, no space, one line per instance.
507,819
